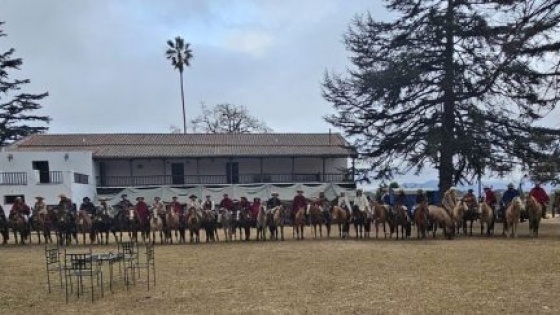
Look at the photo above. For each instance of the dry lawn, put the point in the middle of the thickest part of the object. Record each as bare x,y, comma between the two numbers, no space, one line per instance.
468,275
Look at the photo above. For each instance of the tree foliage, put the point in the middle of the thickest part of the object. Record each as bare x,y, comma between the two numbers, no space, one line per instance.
228,118
459,85
180,54
18,116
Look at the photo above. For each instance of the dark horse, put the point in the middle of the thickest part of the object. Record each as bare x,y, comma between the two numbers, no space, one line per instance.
65,224
470,215
42,223
400,218
4,226
359,220
244,223
208,223
101,225
19,226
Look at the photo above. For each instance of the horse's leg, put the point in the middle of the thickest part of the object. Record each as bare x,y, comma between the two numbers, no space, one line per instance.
320,230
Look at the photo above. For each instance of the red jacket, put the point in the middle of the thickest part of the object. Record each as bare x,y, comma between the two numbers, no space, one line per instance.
540,195
244,204
227,204
299,202
177,207
21,208
254,207
490,197
142,209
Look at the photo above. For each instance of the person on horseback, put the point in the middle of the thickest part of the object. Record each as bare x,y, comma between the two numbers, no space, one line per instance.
299,202
227,203
507,197
159,208
449,200
273,202
556,202
40,207
490,197
208,204
402,201
344,203
541,197
65,205
87,206
20,208
244,203
470,200
420,197
143,211
361,203
125,203
105,209
176,206
255,207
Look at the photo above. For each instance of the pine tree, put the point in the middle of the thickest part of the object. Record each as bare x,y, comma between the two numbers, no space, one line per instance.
446,85
17,109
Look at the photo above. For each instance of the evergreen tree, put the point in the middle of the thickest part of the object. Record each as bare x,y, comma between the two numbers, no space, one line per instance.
445,84
17,109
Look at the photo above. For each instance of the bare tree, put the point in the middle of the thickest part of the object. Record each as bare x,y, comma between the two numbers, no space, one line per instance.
228,118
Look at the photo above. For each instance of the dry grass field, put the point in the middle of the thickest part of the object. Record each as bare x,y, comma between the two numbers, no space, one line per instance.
468,275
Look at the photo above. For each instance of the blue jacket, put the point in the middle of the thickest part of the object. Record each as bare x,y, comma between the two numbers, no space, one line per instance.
387,199
509,195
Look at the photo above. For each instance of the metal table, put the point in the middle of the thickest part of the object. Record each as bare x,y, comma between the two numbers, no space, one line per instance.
110,259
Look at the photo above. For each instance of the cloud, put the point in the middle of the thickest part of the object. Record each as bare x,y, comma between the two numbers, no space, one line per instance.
255,43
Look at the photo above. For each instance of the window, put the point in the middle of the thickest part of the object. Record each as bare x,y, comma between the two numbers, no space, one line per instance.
10,199
43,168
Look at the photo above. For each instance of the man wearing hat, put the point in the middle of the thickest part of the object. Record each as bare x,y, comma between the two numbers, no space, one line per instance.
176,206
226,203
87,206
344,203
541,197
124,203
490,197
507,197
361,203
159,207
106,209
273,202
208,204
143,211
402,201
299,202
470,200
255,207
244,203
20,208
40,207
449,200
420,197
65,205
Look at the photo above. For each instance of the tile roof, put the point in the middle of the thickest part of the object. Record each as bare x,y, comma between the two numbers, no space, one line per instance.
190,145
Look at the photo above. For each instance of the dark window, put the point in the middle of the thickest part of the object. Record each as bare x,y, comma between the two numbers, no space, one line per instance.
10,199
232,171
177,173
43,168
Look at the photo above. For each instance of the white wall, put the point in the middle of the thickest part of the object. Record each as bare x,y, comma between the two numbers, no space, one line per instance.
79,162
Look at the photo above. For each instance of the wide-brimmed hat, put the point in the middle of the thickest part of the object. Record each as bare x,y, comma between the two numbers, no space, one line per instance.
256,199
452,188
470,190
486,188
275,194
62,196
124,195
208,196
192,197
39,197
105,199
85,198
225,194
158,198
19,198
138,198
243,197
299,191
174,197
510,185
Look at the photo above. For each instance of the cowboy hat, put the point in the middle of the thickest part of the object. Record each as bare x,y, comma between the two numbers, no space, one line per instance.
208,196
85,198
452,188
275,194
225,194
39,197
62,196
138,198
174,197
299,191
192,197
486,188
124,195
106,199
157,198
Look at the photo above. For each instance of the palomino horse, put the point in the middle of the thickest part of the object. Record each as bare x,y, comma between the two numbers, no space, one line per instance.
275,222
244,222
19,226
438,216
261,223
299,223
486,218
380,216
317,219
458,215
193,224
421,219
156,225
513,213
342,219
84,225
225,218
42,223
208,222
400,218
534,209
173,223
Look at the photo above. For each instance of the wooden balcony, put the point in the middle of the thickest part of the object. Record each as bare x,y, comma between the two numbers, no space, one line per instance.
173,180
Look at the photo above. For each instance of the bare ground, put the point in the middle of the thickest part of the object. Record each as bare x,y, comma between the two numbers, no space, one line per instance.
468,275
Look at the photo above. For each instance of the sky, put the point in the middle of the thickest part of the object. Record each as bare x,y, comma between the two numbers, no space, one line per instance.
103,62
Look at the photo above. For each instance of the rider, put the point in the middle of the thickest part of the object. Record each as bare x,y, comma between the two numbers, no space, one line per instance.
490,197
344,203
402,201
65,205
20,208
361,203
142,210
226,203
87,206
541,197
208,204
255,207
40,207
176,206
299,202
470,200
105,209
244,204
507,197
273,202
125,203
449,200
420,197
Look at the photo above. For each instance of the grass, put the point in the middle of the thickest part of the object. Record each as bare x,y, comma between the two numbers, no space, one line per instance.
468,275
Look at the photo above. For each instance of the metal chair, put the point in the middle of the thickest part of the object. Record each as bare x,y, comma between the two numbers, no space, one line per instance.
147,263
54,264
128,253
79,266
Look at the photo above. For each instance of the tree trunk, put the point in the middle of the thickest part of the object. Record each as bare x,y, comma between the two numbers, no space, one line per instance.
183,102
448,123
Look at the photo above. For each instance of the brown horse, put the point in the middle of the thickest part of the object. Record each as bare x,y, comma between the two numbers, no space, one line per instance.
135,224
380,216
438,216
400,218
342,218
421,219
209,223
156,225
513,214
275,222
299,223
193,223
84,225
42,222
486,218
19,226
534,208
173,223
317,219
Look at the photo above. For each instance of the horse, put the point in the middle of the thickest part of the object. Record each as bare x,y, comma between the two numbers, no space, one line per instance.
120,222
513,213
380,216
317,219
359,219
534,209
208,223
84,225
400,218
299,223
342,219
458,214
486,218
101,224
275,222
244,222
470,215
193,224
225,218
42,222
438,216
328,219
421,219
135,224
65,225
173,223
156,225
262,219
4,226
19,226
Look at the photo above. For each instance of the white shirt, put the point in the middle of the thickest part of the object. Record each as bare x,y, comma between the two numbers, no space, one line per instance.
193,203
362,203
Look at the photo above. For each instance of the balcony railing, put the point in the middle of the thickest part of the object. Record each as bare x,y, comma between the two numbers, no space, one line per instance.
174,180
52,177
81,178
13,178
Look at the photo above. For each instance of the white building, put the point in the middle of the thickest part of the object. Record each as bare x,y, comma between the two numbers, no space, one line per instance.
81,165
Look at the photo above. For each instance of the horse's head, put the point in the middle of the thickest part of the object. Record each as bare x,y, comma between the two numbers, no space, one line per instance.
518,204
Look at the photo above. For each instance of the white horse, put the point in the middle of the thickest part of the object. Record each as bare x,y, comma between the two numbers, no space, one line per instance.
156,225
261,223
225,218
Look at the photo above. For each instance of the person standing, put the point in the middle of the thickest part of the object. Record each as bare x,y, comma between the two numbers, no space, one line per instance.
541,197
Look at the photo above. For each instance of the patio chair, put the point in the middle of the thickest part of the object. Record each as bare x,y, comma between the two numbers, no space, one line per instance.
79,266
54,264
128,251
148,263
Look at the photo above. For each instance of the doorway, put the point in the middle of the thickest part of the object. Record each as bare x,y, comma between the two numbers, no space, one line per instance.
43,168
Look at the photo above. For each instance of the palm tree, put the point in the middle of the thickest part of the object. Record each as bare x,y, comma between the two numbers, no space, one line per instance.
180,55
